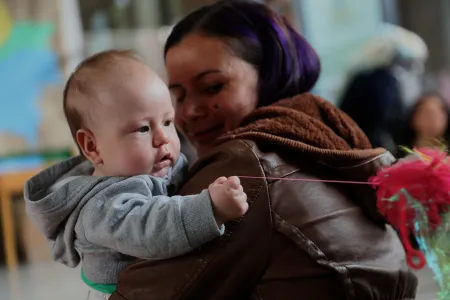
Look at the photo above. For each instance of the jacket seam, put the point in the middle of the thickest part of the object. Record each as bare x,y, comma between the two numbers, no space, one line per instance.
365,162
318,255
276,167
246,143
258,294
121,295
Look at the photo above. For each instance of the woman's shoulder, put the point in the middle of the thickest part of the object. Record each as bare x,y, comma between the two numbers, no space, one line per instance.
331,221
245,158
232,158
243,149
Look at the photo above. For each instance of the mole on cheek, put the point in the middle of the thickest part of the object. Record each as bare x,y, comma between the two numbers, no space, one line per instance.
215,107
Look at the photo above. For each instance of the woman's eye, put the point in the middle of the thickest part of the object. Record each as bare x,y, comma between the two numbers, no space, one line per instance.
178,98
168,123
214,89
143,129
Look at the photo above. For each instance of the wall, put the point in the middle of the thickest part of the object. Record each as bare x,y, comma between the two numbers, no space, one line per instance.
149,42
430,20
337,29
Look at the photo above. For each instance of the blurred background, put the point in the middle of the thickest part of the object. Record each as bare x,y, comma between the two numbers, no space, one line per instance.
385,62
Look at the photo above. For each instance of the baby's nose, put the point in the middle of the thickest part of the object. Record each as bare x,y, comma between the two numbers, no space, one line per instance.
160,139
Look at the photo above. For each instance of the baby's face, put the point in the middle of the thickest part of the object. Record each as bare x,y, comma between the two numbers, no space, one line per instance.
133,126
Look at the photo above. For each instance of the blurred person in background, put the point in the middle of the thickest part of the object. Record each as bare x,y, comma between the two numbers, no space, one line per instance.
385,82
428,123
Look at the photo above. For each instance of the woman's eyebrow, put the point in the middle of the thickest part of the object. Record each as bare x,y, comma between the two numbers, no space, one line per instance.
204,73
196,77
175,86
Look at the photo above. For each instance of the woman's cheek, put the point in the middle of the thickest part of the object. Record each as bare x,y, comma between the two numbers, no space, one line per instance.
218,111
178,120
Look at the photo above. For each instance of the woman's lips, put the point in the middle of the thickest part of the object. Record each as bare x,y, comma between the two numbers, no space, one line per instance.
208,135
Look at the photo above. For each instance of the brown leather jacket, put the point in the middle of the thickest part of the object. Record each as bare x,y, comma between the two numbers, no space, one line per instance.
299,239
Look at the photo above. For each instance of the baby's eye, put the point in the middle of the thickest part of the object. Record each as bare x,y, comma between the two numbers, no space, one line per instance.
143,129
168,123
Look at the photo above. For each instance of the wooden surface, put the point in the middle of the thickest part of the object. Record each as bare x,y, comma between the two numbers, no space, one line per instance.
11,184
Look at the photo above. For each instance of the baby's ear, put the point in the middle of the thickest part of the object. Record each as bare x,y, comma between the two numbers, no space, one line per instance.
87,143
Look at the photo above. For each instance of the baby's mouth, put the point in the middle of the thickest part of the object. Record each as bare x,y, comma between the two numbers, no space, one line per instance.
164,162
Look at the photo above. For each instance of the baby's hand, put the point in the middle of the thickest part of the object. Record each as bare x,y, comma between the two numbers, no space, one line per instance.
228,199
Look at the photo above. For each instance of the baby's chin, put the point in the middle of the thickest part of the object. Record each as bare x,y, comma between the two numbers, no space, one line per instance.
160,173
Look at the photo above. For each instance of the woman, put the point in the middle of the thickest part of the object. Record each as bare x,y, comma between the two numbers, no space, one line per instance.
228,65
385,80
428,122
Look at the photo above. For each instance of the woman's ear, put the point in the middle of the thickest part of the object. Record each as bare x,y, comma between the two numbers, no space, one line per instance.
86,141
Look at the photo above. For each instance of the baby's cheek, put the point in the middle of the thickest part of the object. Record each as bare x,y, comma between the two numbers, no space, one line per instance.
140,161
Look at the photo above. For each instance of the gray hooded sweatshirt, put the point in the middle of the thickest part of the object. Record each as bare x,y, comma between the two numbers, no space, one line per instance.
108,221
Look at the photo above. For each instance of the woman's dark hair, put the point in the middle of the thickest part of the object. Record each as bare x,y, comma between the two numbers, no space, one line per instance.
410,135
286,62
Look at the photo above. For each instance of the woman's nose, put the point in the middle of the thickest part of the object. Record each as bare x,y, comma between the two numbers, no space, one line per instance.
191,110
160,138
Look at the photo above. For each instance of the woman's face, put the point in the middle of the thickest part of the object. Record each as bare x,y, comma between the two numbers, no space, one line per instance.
430,119
213,89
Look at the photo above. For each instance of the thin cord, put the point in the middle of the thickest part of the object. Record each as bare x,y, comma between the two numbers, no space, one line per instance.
309,180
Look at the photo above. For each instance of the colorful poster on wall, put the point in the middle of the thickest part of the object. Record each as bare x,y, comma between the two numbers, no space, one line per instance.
27,66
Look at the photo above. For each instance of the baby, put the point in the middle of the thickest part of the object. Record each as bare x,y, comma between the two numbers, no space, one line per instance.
111,204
